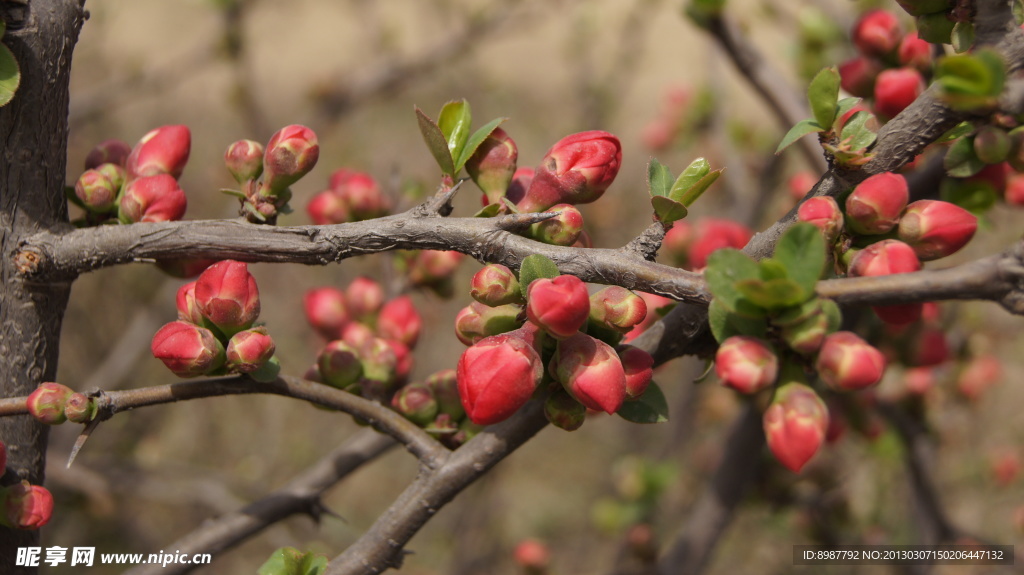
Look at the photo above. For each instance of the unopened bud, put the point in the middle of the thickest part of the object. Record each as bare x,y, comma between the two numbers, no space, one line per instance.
430,267
877,33
848,363
561,230
399,320
326,311
564,412
81,408
25,506
895,89
746,364
227,295
339,364
380,363
152,199
477,321
496,285
875,206
616,308
164,150
590,370
244,160
493,164
185,301
711,234
96,191
364,297
46,403
360,193
676,244
327,208
991,144
638,365
108,152
857,76
795,425
445,386
936,229
496,376
416,402
249,349
187,349
824,213
884,258
290,154
576,170
915,52
560,306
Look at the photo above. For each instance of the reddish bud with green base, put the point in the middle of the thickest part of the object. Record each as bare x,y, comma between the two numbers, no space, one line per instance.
895,89
616,308
339,364
432,266
291,153
875,206
795,425
746,364
824,213
244,160
638,365
915,52
884,258
399,320
360,192
564,412
357,335
713,234
108,152
495,285
328,208
496,376
806,335
80,408
561,230
185,301
857,76
326,311
877,33
364,297
164,150
25,506
249,349
590,370
576,170
96,191
445,386
46,403
936,229
991,144
416,402
848,363
380,362
560,306
493,164
521,181
477,321
187,349
152,199
227,295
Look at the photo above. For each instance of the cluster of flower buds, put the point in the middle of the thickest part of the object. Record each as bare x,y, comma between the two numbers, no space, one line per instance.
689,245
266,174
215,332
890,66
53,403
351,196
137,184
558,334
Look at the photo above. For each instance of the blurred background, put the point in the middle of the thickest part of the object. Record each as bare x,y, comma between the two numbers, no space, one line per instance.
353,71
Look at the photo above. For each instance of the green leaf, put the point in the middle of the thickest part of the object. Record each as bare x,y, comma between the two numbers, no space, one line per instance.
971,81
976,197
726,267
725,323
10,75
235,193
3,28
963,37
822,95
961,161
659,178
844,106
801,250
475,140
772,269
690,176
832,314
856,134
934,28
267,372
291,561
535,267
436,143
488,211
801,129
772,294
651,407
689,196
961,129
455,120
668,211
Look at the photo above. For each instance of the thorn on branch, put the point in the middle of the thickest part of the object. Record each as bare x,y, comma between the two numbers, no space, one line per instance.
519,222
440,204
82,438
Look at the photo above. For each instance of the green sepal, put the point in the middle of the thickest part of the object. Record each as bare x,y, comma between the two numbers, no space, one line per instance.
651,407
823,94
535,267
230,192
436,143
801,129
488,211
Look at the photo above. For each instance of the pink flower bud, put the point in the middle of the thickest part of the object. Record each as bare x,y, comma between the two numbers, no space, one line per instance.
676,244
477,321
848,363
824,213
857,76
326,311
493,164
339,364
430,267
164,150
403,360
249,349
357,335
244,160
616,308
561,230
560,306
360,193
713,234
291,153
80,408
795,425
187,349
185,301
227,295
877,33
590,370
96,191
399,320
26,506
495,285
746,364
46,403
328,207
364,297
979,374
521,181
895,89
532,555
152,199
638,366
915,52
445,386
800,183
416,402
1014,190
884,258
875,206
936,229
496,376
576,170
108,152
380,362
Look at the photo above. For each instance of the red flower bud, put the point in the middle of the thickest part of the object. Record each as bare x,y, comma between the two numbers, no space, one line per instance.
96,191
380,362
327,207
477,321
187,349
416,402
1014,191
576,170
291,153
26,506
800,183
824,213
561,230
80,408
357,335
895,89
638,365
496,376
848,363
493,164
326,311
877,33
564,412
364,297
713,234
936,229
617,308
360,192
795,425
152,199
185,301
560,305
399,320
874,206
676,243
249,349
403,360
590,370
46,403
532,555
746,364
430,267
244,160
227,295
979,374
495,285
857,76
339,364
884,258
108,152
521,181
915,52
445,386
164,150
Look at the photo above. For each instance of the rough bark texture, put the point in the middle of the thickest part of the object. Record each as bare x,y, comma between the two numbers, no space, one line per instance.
33,129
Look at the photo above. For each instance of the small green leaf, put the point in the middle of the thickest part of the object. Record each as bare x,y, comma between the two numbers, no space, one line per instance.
971,81
651,407
961,129
455,120
832,314
934,28
726,267
844,106
535,267
659,178
668,211
801,250
963,37
488,211
689,196
725,324
291,561
10,75
475,140
267,372
772,294
856,133
772,269
690,176
235,193
801,129
436,143
822,95
960,160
